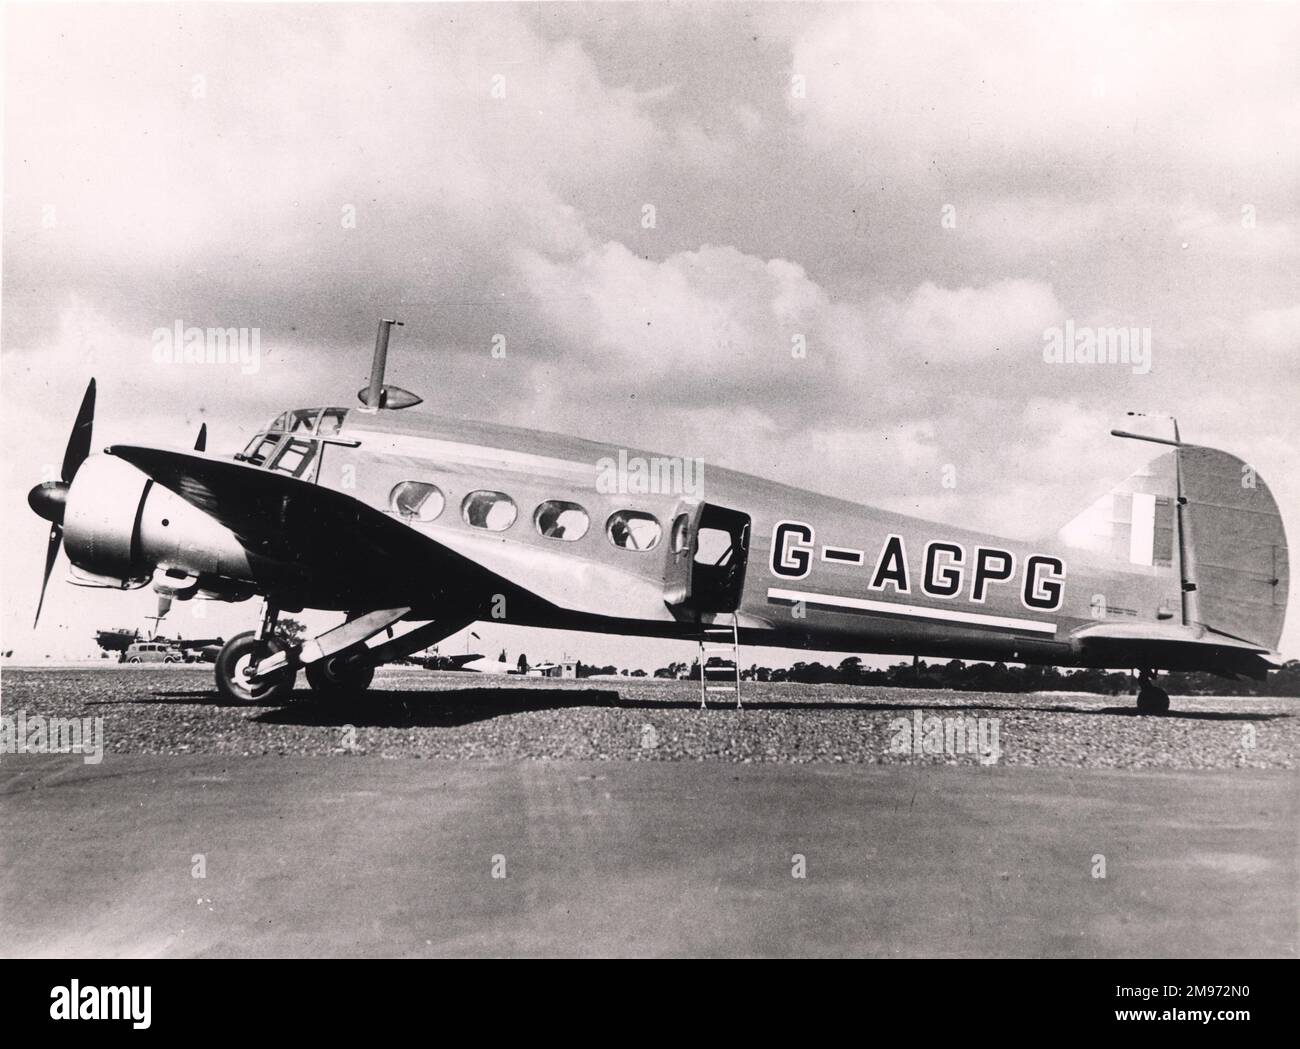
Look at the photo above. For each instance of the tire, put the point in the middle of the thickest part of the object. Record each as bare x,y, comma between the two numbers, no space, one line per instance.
1152,700
235,656
134,659
337,678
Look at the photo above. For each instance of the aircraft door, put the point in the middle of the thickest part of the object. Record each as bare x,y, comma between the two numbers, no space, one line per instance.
708,551
681,536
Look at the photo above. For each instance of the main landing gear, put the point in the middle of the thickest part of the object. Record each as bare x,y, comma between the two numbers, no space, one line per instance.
335,676
1151,699
239,658
256,667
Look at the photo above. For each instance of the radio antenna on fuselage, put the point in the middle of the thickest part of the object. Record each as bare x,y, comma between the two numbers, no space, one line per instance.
377,395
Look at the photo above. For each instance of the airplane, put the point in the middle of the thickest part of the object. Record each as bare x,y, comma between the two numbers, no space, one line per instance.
407,521
486,665
120,639
461,661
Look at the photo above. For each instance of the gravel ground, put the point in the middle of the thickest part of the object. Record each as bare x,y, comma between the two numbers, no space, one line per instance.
413,713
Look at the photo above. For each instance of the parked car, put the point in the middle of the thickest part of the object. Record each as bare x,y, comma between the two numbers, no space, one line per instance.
152,652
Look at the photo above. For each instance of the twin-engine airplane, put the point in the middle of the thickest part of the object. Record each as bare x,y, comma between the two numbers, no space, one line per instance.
397,518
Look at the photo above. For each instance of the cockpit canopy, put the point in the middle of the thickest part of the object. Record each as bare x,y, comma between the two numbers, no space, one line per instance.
289,443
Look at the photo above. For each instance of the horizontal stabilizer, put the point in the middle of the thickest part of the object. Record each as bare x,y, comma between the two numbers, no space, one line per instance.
1170,646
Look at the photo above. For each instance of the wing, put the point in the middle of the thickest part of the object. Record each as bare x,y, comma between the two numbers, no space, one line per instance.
335,544
332,536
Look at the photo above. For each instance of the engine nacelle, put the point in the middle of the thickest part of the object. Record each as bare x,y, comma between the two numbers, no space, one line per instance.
119,524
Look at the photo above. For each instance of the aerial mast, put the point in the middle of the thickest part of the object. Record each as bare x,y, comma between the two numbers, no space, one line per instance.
377,394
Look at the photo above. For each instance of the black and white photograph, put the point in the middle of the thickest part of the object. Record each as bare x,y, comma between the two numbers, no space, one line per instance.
651,480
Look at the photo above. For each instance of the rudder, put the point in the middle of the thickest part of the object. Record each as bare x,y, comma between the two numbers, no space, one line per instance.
1236,547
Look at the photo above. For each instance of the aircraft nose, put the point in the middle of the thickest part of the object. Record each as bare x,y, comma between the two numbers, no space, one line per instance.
49,500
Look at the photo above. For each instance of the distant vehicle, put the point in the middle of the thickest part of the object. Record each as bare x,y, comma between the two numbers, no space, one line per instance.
166,650
152,652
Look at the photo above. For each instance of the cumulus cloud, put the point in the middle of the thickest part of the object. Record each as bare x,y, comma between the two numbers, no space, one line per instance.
802,308
1071,89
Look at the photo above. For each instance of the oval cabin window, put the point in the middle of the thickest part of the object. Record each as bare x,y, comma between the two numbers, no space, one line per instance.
557,519
633,530
494,511
416,500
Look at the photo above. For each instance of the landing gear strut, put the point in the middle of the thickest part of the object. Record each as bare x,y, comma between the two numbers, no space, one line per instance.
1151,699
239,658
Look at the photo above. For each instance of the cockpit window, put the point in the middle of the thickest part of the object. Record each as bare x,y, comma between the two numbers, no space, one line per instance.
303,419
633,530
295,457
557,519
494,511
331,421
260,448
298,454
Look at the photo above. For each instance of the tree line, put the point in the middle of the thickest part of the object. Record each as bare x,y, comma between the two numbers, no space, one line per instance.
960,676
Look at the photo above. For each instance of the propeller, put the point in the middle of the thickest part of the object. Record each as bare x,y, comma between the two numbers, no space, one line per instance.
50,500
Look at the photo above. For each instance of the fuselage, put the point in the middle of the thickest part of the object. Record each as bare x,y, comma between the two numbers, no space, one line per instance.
619,540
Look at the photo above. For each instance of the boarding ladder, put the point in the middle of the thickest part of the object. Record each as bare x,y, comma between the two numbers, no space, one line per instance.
716,639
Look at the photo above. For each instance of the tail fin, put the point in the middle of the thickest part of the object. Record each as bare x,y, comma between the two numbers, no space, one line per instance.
1134,525
1236,553
1227,548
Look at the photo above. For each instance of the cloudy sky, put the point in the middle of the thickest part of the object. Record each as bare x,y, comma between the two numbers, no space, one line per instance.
917,191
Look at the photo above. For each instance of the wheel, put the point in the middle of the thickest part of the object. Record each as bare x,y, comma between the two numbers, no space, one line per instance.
334,676
134,659
235,657
171,659
1152,700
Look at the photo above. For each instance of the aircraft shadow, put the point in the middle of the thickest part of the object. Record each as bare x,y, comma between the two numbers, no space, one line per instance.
446,708
941,708
435,708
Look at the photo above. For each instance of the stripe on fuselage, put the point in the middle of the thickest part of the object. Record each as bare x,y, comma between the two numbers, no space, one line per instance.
863,606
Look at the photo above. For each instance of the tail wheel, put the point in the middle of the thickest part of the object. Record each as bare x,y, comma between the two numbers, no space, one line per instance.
235,658
335,676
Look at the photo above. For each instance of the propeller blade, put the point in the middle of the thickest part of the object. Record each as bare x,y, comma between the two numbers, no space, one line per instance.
79,439
51,552
201,445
